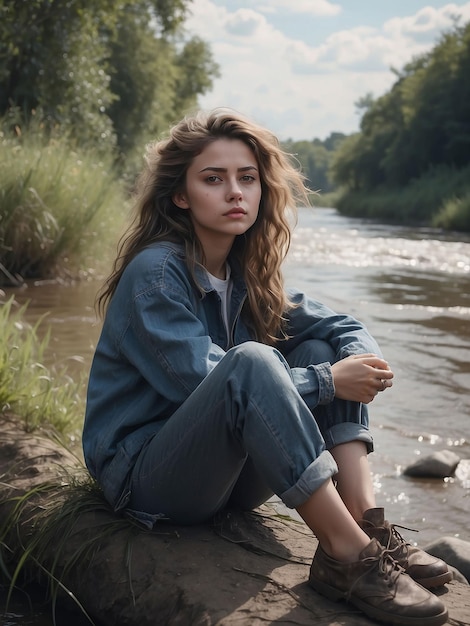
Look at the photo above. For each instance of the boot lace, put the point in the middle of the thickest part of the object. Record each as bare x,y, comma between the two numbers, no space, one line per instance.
387,568
397,545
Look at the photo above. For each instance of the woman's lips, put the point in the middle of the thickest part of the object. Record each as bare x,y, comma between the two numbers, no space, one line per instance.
235,212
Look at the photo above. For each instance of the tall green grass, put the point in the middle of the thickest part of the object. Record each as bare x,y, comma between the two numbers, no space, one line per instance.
53,401
440,198
454,214
58,210
58,207
41,396
54,513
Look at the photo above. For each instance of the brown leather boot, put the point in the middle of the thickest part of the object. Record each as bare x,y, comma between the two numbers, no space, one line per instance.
427,570
378,586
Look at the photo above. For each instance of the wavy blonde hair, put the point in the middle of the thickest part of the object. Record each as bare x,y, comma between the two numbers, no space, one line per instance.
261,250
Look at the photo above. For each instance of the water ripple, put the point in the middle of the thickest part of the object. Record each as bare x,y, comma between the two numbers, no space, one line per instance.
325,247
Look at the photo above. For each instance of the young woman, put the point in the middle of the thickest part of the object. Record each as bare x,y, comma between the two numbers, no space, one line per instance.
213,386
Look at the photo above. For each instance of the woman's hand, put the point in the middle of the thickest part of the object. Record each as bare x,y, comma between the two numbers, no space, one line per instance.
360,377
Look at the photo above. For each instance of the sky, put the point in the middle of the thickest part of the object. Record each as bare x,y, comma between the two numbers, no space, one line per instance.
300,66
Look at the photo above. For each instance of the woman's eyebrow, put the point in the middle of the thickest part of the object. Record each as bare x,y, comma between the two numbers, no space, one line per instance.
210,168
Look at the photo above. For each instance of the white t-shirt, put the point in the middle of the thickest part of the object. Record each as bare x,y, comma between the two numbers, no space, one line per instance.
224,289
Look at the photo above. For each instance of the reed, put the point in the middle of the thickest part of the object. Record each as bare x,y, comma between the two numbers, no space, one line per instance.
454,214
43,397
44,536
37,527
58,207
439,198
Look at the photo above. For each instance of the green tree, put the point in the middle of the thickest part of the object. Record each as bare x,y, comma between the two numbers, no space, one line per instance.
423,122
156,84
315,158
195,72
381,123
53,58
103,72
344,168
143,85
439,126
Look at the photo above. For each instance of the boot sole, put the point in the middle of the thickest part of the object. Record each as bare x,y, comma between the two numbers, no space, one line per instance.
401,620
435,581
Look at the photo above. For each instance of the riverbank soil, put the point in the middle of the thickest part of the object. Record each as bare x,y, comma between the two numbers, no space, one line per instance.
241,569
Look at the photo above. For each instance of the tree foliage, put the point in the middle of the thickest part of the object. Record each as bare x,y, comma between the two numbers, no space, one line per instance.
315,158
106,72
53,58
422,123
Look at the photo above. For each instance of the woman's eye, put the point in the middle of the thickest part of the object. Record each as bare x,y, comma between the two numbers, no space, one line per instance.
247,178
213,179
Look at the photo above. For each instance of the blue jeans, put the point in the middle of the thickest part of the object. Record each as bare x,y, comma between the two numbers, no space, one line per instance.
242,435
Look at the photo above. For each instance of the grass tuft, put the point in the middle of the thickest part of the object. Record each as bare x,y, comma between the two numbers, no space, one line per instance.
454,214
439,198
51,515
58,205
43,397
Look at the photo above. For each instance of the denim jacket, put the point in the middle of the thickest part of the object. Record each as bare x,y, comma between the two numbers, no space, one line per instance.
161,337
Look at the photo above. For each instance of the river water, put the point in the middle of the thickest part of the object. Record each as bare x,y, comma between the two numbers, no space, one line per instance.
412,289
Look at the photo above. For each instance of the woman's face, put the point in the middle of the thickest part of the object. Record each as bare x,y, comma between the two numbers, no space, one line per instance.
223,192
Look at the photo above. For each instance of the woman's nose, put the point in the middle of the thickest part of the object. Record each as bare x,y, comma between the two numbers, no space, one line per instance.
234,190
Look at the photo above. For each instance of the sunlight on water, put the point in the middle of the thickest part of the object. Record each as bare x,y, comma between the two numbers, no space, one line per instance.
452,310
349,248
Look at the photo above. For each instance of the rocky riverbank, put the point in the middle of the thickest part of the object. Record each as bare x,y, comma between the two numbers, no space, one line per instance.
244,569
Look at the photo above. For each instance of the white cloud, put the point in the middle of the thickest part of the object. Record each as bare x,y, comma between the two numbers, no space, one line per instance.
244,22
310,7
367,49
206,19
300,90
428,20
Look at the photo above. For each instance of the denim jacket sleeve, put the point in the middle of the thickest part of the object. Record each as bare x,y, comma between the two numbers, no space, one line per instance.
314,383
310,319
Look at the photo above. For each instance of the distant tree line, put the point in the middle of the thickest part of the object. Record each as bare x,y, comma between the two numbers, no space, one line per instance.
410,160
421,123
415,138
315,158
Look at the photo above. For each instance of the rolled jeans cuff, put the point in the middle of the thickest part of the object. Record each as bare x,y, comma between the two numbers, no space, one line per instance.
313,477
346,432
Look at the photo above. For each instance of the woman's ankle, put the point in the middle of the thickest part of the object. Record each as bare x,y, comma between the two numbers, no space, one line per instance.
344,549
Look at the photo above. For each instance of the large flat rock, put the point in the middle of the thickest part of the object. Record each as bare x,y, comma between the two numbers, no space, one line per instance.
240,569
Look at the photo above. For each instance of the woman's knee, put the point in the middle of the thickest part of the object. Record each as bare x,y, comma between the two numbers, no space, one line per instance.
252,363
255,354
311,352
